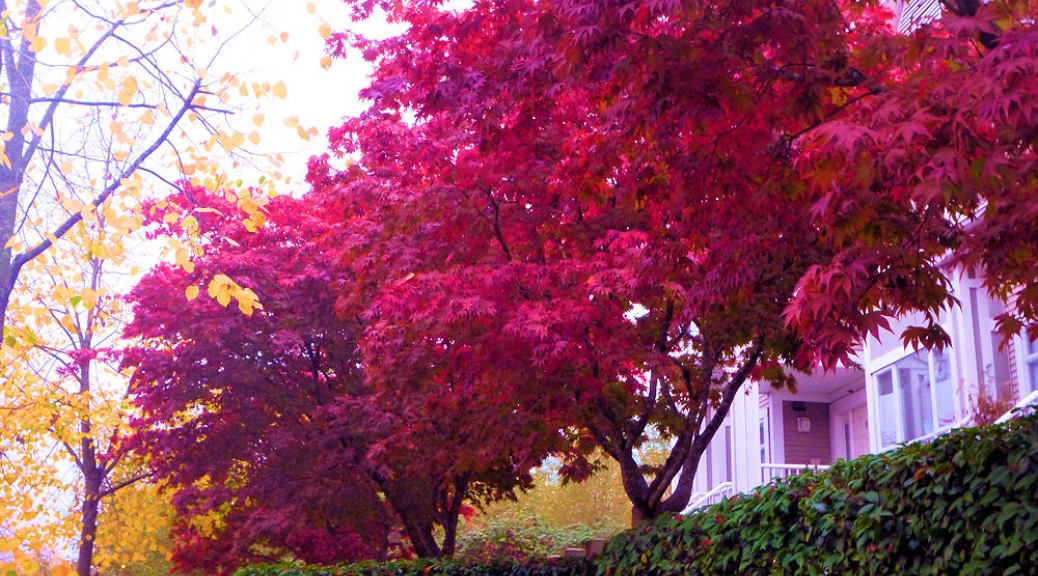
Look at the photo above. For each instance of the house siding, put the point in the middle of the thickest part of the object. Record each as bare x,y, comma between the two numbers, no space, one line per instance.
814,447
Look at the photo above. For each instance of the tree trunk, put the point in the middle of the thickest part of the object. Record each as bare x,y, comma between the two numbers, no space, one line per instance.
88,531
450,509
422,539
93,477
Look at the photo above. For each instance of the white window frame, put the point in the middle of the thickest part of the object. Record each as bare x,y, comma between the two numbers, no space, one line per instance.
1029,365
900,434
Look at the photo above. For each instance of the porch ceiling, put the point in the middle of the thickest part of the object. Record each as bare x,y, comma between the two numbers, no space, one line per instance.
830,385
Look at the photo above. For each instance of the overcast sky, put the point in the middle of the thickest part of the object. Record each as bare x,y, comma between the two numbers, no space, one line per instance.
320,98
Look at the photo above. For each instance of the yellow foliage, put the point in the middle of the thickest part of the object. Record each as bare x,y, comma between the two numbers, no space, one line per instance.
222,289
42,403
63,46
280,90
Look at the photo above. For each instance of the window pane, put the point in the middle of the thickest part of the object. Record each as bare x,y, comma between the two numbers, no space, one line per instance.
913,374
1032,364
887,409
944,391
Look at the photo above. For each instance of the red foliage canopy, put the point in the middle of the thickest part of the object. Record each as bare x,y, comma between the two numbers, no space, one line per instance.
936,176
267,426
595,204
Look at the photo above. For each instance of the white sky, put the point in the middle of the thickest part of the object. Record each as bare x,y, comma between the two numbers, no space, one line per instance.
320,98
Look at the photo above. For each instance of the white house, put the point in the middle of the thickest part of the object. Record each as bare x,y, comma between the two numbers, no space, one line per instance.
898,395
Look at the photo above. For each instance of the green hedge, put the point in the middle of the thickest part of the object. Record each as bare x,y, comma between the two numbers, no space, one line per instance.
964,504
545,567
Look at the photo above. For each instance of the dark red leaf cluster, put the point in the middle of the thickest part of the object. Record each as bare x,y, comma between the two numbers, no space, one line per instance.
268,428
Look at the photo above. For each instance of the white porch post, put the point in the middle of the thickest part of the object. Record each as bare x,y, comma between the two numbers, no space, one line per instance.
746,439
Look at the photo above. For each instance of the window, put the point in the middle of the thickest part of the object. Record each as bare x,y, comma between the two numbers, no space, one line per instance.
1031,358
915,397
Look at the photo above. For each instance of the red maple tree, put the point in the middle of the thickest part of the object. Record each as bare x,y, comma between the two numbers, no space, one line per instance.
267,427
933,177
592,208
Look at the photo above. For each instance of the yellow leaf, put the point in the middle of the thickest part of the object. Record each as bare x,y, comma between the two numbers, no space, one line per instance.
38,43
147,118
292,121
192,3
258,119
191,292
325,30
128,91
326,62
280,90
201,73
311,7
123,62
224,298
63,46
102,72
89,298
190,225
49,88
132,9
66,167
254,137
272,39
250,225
284,37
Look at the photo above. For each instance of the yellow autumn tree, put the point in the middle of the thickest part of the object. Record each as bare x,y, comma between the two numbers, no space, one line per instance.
107,98
66,412
103,103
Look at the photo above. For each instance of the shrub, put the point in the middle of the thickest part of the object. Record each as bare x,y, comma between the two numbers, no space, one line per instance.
964,504
511,539
543,567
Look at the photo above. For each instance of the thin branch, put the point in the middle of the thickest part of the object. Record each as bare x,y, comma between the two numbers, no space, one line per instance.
158,176
48,116
74,219
128,482
829,116
98,104
72,452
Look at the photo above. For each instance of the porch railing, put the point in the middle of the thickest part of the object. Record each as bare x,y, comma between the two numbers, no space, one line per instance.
1029,403
776,471
720,492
